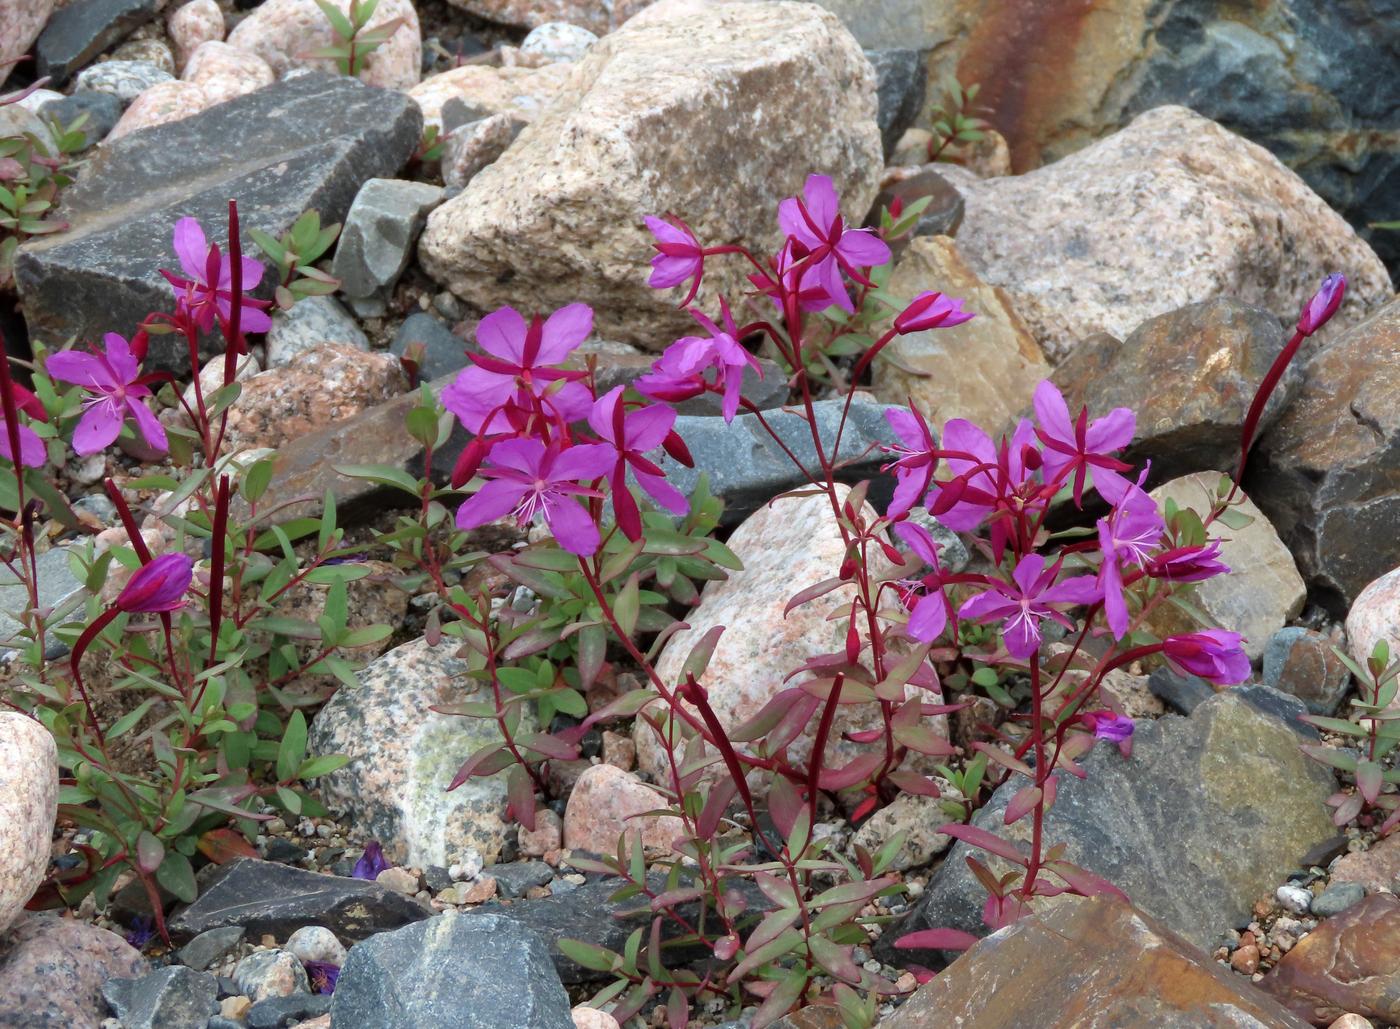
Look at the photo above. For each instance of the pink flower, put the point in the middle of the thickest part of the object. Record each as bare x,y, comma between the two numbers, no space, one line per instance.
1323,305
1083,445
116,390
931,311
159,585
1126,537
633,435
1110,726
1188,564
32,452
680,372
989,481
533,482
822,240
1213,654
913,469
679,256
1026,600
516,376
928,614
208,290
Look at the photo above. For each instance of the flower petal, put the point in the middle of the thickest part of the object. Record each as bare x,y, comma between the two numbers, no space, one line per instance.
573,529
494,500
502,333
564,330
79,368
100,424
191,247
148,425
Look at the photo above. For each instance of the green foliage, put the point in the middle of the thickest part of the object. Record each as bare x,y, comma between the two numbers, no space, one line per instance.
354,40
295,256
956,120
32,173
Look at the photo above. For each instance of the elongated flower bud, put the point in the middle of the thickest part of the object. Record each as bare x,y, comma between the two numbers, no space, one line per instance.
158,586
674,445
931,310
1323,305
469,461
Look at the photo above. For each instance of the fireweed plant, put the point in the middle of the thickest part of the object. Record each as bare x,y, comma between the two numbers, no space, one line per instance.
775,910
178,708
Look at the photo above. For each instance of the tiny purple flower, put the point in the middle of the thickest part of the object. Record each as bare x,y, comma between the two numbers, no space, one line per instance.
208,289
1323,305
323,975
158,585
1110,726
1026,600
371,862
113,380
680,372
1188,564
1213,654
823,241
1083,446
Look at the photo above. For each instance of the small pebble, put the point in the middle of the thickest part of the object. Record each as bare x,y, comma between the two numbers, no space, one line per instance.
316,943
1337,898
1245,959
235,1007
1294,898
400,880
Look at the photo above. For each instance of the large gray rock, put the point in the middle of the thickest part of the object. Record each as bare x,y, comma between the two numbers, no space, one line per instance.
1209,814
310,323
168,997
378,237
52,970
900,78
81,30
700,115
103,273
452,972
58,586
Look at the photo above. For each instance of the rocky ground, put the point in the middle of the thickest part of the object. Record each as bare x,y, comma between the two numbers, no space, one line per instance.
1159,202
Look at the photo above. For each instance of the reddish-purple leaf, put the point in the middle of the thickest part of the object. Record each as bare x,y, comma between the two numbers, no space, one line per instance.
936,939
1368,780
913,782
546,745
811,593
1022,804
1085,883
849,775
699,658
489,760
983,840
715,805
520,791
784,802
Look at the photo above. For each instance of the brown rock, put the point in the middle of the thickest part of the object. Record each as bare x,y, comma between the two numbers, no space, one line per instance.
1245,959
1088,964
547,835
908,185
984,370
658,118
1351,962
52,970
606,803
619,750
1376,869
598,16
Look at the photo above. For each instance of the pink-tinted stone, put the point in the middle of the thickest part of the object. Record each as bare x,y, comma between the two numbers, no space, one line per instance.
225,71
28,803
285,32
520,92
52,970
592,1018
1349,963
1376,869
164,102
547,835
21,21
191,25
605,803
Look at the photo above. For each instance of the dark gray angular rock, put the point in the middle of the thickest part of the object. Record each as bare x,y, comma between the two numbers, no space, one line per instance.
1208,815
263,897
303,143
1182,693
173,997
515,877
1337,898
277,1012
102,110
1302,662
900,79
209,947
79,31
452,972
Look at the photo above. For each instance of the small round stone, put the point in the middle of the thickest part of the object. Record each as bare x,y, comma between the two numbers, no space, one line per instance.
558,41
1294,898
1337,898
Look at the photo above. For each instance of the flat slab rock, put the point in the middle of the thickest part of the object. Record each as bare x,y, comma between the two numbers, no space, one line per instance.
303,143
1207,816
265,897
1089,964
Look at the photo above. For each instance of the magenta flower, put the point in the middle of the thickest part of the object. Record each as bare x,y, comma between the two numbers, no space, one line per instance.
533,482
32,452
1126,537
157,586
931,310
1188,564
928,612
633,435
1323,305
371,862
516,376
117,391
207,290
987,479
1084,445
1026,600
679,373
1110,726
913,469
823,241
679,256
322,975
1213,654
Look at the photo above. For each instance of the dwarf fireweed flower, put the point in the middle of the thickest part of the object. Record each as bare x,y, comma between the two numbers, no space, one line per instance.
680,372
918,457
535,482
1026,600
1213,654
1126,537
158,586
823,244
1083,446
1110,726
516,377
112,379
679,256
32,452
206,289
1188,564
322,975
371,862
1319,310
991,483
928,607
931,310
633,435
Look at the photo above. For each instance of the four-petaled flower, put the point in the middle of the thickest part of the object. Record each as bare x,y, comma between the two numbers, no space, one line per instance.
1127,537
928,614
679,256
823,244
989,481
322,975
679,373
634,434
158,586
1213,654
918,457
1026,600
1083,446
516,375
533,482
117,391
207,291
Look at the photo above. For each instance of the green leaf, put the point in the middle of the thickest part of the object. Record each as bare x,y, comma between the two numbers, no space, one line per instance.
339,23
384,475
590,956
292,751
150,852
176,874
628,604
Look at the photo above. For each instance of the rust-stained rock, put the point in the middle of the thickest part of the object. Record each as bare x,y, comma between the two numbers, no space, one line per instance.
1088,964
1351,962
1376,869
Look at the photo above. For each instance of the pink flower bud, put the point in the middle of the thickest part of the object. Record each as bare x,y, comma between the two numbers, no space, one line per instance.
158,586
1323,304
931,311
469,461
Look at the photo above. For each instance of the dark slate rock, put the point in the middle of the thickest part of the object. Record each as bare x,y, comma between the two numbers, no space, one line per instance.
284,851
1203,819
1303,663
1182,693
452,972
220,1022
900,78
513,879
277,1012
102,110
264,897
210,947
103,274
941,217
436,878
79,31
444,352
57,587
166,998
1337,898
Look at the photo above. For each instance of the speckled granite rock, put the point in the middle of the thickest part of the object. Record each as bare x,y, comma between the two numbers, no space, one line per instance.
21,21
270,973
599,16
163,103
1263,589
1169,211
1195,827
1325,473
125,80
607,802
52,970
522,92
1349,963
1375,616
309,324
1375,869
918,818
644,98
28,804
224,72
403,756
191,25
285,32
1089,963
984,370
558,41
